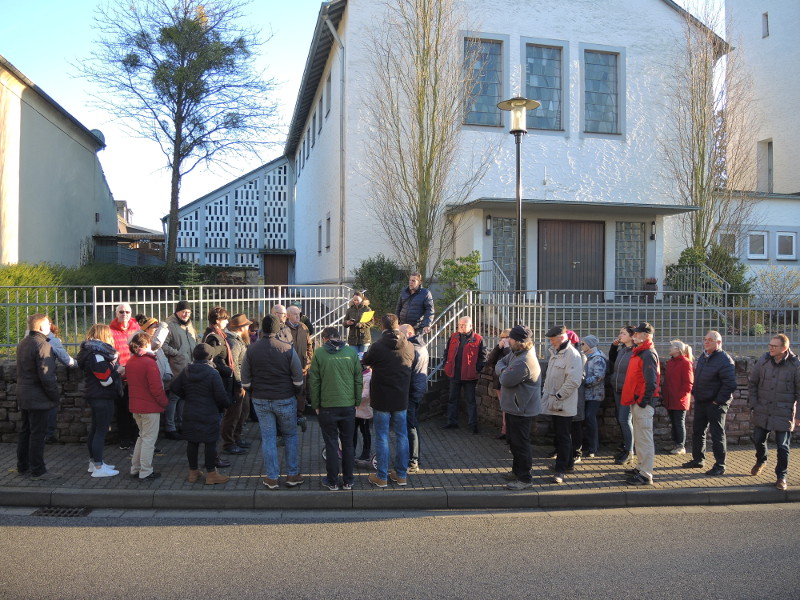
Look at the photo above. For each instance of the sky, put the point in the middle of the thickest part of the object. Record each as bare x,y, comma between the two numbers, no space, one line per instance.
44,38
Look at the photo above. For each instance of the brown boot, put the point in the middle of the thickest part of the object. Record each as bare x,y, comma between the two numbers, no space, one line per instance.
194,475
214,477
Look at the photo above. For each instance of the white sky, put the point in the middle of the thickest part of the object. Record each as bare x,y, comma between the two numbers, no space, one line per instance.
42,38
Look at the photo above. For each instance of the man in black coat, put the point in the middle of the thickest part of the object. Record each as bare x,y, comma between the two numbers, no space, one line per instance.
714,384
37,394
415,305
391,359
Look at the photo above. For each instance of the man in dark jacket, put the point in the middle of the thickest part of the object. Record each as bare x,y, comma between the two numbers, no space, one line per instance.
419,385
272,374
714,384
178,346
465,357
415,305
774,392
391,359
37,394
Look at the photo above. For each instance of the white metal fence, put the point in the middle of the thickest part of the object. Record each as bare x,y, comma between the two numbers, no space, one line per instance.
75,309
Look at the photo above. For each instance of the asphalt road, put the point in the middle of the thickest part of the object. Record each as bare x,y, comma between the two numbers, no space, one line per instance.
690,552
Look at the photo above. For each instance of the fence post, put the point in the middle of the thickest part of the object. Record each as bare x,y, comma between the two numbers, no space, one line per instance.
94,304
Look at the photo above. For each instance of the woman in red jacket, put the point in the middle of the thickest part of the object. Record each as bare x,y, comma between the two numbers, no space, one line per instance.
147,402
677,391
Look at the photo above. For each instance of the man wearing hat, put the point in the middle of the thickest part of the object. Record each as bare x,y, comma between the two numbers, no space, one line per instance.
178,346
520,399
560,395
272,374
639,392
237,334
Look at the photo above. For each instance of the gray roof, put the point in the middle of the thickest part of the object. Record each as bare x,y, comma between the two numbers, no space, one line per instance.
552,206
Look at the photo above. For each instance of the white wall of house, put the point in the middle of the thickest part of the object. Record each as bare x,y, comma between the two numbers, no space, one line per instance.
766,39
52,180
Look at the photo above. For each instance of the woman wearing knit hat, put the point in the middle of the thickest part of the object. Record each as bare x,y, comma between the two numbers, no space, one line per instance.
594,384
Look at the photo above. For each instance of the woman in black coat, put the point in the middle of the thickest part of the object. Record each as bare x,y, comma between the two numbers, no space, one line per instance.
204,397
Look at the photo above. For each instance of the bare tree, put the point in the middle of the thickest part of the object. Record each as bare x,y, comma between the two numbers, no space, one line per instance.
181,73
709,132
422,77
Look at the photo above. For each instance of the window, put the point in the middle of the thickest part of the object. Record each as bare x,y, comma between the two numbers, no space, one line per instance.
765,166
319,112
313,130
601,97
787,246
544,82
757,245
328,96
308,142
765,25
319,237
328,232
484,58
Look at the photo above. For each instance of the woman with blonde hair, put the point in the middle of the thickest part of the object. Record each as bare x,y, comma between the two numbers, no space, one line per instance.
676,391
98,360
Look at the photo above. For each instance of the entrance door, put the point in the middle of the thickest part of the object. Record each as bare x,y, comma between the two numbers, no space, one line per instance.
276,269
571,255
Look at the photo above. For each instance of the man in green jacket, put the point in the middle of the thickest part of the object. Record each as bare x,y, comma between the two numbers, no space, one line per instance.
335,382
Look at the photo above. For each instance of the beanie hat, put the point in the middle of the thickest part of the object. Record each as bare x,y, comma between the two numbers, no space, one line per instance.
270,324
520,333
182,305
202,352
591,341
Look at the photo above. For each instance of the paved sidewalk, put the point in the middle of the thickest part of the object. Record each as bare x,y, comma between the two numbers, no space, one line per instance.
459,470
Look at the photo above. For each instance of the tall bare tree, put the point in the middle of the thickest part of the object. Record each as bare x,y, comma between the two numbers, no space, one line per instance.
181,73
709,131
421,79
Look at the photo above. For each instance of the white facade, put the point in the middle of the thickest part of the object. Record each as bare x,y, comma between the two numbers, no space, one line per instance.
611,182
240,223
51,180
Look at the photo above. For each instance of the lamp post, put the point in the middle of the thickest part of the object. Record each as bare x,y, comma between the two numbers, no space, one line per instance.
518,107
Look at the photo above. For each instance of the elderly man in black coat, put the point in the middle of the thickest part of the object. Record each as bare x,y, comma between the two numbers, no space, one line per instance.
391,358
37,394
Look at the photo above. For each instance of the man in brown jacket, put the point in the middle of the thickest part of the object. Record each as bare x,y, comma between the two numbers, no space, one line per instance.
37,394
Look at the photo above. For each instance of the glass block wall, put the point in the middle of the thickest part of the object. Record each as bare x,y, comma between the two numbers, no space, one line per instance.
630,256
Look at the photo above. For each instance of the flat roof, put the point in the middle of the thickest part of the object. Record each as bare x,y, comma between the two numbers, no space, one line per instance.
552,206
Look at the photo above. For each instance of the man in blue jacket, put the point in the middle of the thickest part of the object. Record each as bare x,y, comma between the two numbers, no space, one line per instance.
714,384
415,305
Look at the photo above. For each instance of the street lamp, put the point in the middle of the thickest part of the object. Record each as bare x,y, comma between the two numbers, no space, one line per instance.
519,107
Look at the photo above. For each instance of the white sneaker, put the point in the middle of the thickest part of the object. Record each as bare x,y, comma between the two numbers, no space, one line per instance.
92,468
105,471
678,450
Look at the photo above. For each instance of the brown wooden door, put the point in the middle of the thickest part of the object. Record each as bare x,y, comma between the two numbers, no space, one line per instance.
276,269
571,255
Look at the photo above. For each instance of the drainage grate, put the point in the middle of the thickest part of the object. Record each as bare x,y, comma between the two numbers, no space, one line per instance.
61,511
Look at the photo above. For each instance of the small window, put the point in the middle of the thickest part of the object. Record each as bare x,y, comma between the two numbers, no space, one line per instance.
328,95
328,232
319,237
757,245
787,245
313,129
319,112
765,25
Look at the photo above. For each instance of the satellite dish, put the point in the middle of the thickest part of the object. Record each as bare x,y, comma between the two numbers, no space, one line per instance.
99,135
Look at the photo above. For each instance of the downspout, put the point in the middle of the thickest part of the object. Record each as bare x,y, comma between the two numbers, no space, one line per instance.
342,202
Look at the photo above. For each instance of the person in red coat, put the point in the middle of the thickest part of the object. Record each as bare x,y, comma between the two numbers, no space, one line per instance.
676,394
122,328
147,401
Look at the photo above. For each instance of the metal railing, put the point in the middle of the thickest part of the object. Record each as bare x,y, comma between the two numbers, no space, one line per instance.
75,309
492,277
698,279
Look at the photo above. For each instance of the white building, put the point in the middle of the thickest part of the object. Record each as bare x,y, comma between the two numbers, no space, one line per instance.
51,180
244,224
767,46
596,207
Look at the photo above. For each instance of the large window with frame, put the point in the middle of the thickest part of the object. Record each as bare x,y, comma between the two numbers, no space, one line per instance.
786,245
484,59
601,109
757,245
544,82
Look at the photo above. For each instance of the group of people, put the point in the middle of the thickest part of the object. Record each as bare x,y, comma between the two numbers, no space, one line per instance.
143,372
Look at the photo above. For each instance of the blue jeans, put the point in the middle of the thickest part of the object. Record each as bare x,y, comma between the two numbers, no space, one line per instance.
173,414
397,421
413,432
678,419
625,422
592,433
361,348
272,414
469,398
102,415
337,425
708,415
782,442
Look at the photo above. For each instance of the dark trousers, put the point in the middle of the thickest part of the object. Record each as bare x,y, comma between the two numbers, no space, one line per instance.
30,442
564,457
469,398
243,414
193,452
337,425
126,426
518,432
576,437
413,433
362,425
708,415
678,420
52,420
102,415
229,421
592,431
782,443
